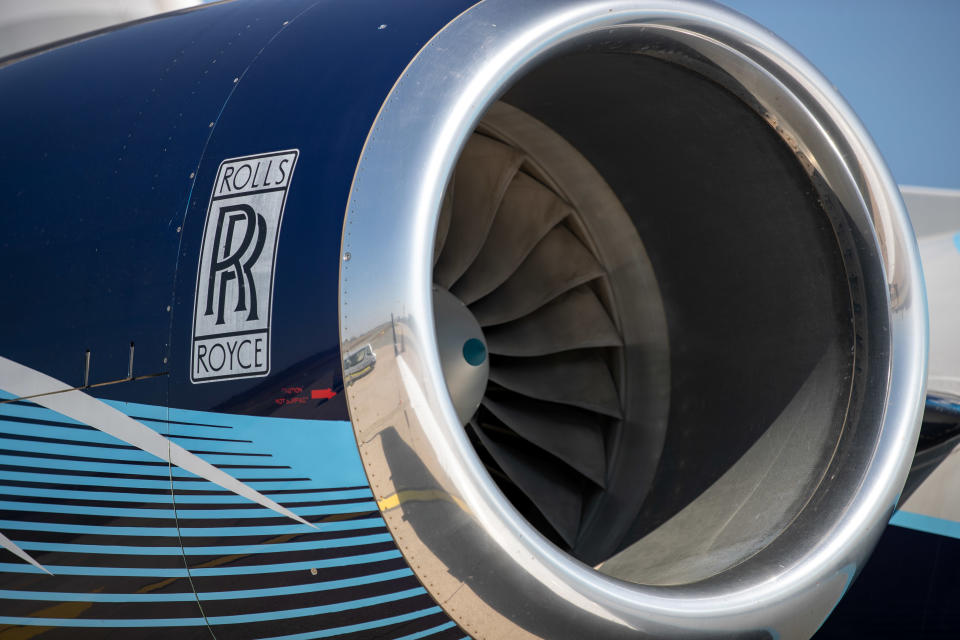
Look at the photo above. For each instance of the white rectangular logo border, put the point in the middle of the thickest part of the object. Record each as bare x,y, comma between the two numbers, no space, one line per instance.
243,278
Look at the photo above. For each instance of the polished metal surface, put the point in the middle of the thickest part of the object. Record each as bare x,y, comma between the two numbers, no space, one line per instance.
485,565
463,353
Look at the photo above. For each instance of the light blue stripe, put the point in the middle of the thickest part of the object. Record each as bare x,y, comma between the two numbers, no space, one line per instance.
158,471
956,241
185,514
89,511
927,524
71,570
292,441
164,483
345,561
201,429
91,436
58,596
107,496
428,632
224,419
944,405
200,572
36,412
95,481
316,610
132,455
233,619
219,532
153,416
286,498
103,622
208,445
329,585
247,475
320,510
363,626
205,422
250,549
150,411
80,436
296,443
153,532
263,486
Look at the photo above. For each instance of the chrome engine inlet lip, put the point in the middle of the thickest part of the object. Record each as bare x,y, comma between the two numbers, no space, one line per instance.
505,579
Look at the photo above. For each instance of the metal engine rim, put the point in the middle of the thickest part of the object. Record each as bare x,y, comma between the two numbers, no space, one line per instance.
418,135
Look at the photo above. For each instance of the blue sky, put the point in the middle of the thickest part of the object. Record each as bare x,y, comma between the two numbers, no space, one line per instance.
896,63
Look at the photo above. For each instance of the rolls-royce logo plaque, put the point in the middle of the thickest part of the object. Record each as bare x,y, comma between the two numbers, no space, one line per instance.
234,296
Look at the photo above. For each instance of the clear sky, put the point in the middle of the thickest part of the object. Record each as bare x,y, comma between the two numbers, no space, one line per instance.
896,62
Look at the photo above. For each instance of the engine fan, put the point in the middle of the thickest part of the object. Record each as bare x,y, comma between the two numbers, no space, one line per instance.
553,286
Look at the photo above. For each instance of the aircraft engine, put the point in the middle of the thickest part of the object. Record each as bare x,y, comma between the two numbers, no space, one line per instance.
604,318
655,325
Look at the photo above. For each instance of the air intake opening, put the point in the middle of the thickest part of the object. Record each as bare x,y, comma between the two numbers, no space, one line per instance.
709,419
671,318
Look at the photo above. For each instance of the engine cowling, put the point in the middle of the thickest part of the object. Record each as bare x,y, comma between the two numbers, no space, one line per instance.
631,326
648,325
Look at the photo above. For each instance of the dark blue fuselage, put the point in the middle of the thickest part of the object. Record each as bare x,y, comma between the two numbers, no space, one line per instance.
110,148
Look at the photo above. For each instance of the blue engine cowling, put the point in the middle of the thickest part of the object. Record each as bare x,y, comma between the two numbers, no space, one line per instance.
112,144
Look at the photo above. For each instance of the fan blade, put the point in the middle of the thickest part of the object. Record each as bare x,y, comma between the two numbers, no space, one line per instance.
443,224
577,378
574,320
553,492
528,212
569,434
559,263
483,173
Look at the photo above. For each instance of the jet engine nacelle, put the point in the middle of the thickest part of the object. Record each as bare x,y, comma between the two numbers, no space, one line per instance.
620,300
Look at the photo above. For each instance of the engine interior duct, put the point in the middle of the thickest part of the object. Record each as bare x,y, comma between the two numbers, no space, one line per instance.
648,322
559,282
